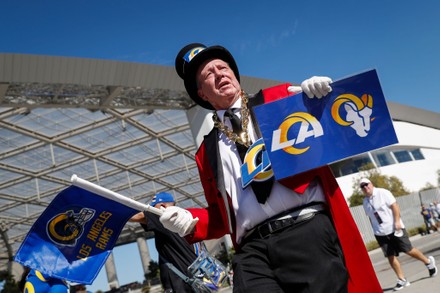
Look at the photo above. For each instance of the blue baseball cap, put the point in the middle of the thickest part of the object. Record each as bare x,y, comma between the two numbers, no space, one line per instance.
162,197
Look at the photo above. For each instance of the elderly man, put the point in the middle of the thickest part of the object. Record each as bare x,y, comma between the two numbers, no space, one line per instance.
294,235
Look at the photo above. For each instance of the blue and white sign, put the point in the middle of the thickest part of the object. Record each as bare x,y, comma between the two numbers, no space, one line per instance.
301,134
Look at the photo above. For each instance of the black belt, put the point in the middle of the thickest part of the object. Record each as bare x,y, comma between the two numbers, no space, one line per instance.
265,229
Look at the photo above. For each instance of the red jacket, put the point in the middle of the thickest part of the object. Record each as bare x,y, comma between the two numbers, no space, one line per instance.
218,218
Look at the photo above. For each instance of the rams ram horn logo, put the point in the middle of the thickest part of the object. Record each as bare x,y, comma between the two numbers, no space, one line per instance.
65,228
357,112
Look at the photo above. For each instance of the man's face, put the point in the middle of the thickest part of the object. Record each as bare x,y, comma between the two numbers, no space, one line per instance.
217,84
367,188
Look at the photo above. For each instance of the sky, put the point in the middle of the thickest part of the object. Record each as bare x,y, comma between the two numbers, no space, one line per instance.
282,40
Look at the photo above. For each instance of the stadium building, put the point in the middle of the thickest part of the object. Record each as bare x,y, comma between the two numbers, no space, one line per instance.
133,129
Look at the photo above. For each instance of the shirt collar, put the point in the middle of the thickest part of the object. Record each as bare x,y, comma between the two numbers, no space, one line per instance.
221,113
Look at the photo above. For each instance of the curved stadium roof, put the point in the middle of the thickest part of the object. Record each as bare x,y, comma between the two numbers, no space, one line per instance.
120,125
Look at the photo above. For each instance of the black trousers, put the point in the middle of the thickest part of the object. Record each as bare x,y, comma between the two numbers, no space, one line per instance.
306,257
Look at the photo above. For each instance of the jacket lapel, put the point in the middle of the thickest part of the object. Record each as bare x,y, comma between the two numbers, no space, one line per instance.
212,150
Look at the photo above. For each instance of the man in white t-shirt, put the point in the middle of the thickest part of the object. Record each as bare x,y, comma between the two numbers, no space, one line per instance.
384,213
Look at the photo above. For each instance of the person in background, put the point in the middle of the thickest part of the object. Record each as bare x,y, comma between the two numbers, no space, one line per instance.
384,214
429,219
435,214
170,246
294,235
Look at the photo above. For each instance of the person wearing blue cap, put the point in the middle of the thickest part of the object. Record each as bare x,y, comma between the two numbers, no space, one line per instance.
172,248
294,235
162,199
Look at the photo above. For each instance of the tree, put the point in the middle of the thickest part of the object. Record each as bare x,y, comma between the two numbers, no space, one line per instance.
427,186
224,256
9,284
153,267
392,183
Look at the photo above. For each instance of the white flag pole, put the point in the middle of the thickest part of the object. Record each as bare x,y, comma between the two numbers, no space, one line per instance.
113,195
99,190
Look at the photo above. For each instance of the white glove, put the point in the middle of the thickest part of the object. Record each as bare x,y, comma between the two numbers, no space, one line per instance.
177,220
316,86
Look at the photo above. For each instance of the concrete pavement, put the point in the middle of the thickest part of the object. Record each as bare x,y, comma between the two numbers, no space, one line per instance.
414,270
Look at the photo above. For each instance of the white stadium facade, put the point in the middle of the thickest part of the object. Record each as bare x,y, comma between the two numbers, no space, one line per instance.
132,128
415,159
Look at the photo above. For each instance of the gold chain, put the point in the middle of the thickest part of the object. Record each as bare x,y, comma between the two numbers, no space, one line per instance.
243,138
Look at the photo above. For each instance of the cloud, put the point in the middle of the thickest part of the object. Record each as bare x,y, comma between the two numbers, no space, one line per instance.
268,40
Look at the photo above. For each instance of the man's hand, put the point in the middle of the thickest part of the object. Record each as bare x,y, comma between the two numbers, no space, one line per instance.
316,86
177,220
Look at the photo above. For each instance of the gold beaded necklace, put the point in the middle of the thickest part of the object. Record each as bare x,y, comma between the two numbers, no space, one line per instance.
243,138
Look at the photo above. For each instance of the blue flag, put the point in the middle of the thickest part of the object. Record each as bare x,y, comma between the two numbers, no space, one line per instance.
301,134
75,234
